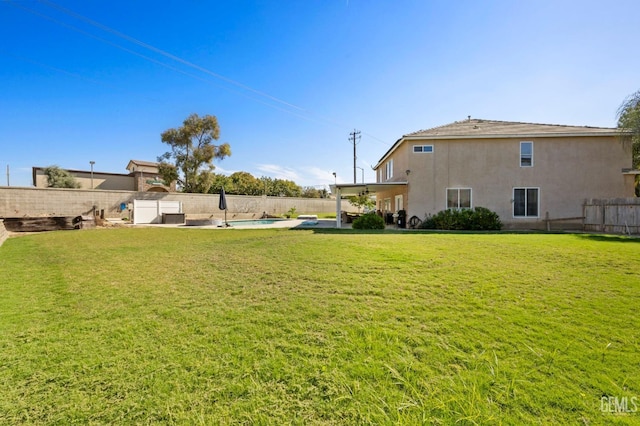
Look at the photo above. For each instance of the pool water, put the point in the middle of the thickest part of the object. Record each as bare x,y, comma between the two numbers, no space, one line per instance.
254,222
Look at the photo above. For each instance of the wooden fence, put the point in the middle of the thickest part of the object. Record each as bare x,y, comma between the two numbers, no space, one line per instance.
615,215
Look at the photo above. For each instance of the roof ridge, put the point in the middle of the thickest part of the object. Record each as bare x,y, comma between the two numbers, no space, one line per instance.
503,122
541,124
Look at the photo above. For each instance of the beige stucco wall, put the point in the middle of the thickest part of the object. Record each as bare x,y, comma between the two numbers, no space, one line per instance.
18,202
566,170
105,181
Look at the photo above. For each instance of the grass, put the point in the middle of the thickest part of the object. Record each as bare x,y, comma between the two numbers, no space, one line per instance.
303,327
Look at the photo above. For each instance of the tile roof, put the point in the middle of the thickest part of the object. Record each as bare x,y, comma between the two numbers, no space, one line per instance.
483,129
144,163
487,128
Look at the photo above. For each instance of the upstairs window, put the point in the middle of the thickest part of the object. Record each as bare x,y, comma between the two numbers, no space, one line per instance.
526,154
423,148
389,169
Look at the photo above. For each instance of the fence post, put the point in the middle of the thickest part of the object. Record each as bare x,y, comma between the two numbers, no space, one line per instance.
546,219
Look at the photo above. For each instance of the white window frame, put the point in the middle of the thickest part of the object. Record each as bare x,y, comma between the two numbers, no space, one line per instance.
399,202
523,156
446,197
526,202
423,149
389,168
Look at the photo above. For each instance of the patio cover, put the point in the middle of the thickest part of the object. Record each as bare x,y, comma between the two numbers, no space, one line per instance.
349,189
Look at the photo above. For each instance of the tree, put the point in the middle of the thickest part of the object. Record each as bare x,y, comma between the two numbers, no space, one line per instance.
219,181
193,152
60,178
311,192
628,116
362,201
244,183
285,188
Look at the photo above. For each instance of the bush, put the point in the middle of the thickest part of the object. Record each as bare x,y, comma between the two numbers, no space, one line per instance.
476,219
484,219
368,221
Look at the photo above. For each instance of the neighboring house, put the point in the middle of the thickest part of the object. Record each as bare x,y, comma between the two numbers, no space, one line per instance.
146,177
142,176
524,172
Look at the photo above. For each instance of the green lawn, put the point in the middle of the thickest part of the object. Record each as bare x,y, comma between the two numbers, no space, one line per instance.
276,326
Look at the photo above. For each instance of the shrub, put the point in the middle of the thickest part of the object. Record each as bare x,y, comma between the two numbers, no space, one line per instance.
368,221
484,219
476,219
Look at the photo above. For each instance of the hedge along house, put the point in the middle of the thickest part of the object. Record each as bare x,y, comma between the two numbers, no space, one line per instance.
527,173
142,176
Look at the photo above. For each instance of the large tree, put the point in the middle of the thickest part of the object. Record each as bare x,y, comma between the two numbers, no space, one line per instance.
244,183
60,178
190,160
629,125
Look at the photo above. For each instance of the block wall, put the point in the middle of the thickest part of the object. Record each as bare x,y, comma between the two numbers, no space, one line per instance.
18,202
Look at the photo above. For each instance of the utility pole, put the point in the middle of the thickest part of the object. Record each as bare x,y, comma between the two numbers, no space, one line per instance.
354,139
8,183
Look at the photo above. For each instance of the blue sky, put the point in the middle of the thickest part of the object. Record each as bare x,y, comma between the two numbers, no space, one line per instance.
289,80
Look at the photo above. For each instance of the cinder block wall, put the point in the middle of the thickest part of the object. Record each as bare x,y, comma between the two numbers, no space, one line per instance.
3,232
19,202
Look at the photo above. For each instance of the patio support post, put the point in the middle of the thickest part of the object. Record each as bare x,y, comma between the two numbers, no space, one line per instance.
338,209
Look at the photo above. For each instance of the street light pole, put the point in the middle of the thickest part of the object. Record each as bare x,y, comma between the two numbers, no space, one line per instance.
92,163
362,173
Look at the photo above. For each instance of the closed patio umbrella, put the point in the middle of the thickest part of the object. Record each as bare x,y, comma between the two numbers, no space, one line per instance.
222,205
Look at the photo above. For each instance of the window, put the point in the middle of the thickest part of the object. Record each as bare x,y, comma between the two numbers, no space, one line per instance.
458,198
380,175
423,148
526,202
389,169
387,205
526,154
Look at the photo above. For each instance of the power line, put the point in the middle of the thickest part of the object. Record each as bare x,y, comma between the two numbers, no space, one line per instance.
164,53
296,110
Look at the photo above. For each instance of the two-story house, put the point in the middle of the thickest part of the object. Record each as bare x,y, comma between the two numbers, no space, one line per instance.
524,172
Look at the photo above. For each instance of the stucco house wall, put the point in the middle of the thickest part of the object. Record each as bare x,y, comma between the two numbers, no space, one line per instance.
567,169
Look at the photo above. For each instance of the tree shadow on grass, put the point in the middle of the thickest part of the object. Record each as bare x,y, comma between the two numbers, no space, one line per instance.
396,231
609,238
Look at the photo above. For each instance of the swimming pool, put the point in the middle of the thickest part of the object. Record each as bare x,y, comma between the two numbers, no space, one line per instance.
254,222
